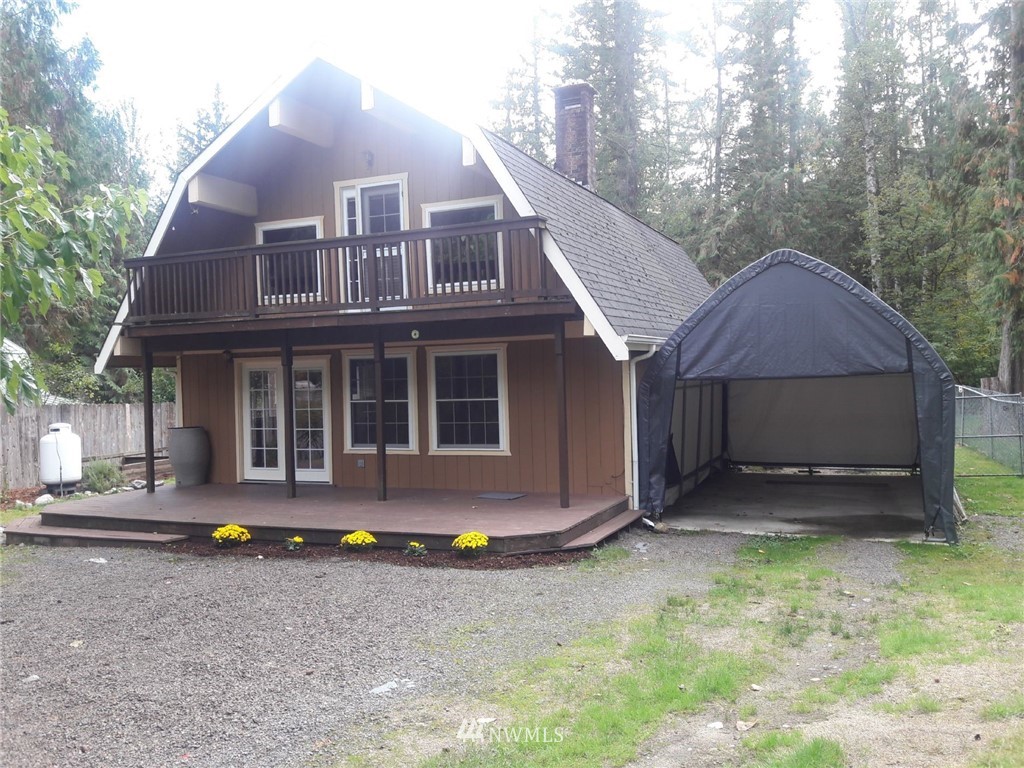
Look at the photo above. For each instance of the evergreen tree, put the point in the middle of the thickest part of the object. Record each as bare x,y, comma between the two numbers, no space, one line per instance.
997,167
760,178
614,46
523,108
193,138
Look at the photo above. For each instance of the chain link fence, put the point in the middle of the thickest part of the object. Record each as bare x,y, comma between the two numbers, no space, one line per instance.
993,424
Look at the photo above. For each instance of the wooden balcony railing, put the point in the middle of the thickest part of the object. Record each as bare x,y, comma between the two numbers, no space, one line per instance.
497,261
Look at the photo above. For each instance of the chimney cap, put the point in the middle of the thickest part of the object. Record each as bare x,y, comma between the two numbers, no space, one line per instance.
571,87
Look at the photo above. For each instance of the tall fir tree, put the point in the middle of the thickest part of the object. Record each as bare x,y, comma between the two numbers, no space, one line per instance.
196,136
523,111
762,172
614,45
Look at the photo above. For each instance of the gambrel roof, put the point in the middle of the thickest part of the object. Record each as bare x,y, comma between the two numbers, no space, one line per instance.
633,284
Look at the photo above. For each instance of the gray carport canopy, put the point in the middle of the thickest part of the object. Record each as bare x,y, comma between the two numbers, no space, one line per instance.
814,370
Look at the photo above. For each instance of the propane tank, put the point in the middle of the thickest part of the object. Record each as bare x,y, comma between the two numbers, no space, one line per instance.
60,458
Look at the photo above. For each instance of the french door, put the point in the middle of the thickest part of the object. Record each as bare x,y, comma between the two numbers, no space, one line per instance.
263,422
375,210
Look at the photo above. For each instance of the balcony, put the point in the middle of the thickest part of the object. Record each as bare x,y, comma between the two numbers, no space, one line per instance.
497,262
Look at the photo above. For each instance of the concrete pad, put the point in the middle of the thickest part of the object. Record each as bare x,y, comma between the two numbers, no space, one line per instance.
881,507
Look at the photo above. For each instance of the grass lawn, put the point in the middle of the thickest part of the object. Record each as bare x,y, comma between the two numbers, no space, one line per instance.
606,698
987,495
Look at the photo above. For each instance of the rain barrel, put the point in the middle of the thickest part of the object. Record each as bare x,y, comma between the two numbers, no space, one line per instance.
189,451
60,458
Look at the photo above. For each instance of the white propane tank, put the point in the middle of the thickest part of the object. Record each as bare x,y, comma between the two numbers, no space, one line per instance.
60,457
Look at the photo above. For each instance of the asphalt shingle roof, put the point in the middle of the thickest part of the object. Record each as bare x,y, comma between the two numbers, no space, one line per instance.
642,280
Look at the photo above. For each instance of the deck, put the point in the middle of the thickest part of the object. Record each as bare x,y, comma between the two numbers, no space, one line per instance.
322,514
492,263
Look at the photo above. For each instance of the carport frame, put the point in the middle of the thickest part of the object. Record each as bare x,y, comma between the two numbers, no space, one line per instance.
933,389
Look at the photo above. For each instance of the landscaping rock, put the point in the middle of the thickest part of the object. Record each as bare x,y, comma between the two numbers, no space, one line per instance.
138,485
42,501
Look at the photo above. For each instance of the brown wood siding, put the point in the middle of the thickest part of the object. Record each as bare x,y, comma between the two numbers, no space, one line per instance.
295,180
594,389
208,400
300,182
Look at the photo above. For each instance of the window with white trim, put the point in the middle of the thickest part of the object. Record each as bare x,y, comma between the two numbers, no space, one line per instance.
289,275
463,262
468,400
399,384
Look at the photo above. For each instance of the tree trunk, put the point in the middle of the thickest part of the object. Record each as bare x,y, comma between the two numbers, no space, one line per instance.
872,219
1011,355
1011,348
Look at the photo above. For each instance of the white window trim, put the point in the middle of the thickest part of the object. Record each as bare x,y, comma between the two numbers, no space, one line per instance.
432,355
454,205
352,188
265,226
352,185
242,367
361,354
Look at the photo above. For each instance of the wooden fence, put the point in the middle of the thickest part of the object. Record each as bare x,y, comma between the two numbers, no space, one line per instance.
107,432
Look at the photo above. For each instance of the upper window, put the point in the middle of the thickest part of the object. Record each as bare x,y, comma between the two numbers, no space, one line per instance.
469,404
464,261
399,402
289,274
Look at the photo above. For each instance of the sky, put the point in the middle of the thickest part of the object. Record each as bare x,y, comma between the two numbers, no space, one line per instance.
448,57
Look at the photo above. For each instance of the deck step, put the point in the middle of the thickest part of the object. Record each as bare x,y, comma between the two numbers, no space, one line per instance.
30,530
596,535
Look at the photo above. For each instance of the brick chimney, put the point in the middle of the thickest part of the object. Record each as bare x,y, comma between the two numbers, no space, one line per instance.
574,132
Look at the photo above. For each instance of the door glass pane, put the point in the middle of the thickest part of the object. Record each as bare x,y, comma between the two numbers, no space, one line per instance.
310,438
382,209
381,213
263,419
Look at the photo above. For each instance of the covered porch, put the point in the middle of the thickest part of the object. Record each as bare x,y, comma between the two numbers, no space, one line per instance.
322,514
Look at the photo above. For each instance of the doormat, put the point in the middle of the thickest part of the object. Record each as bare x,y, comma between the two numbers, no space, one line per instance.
501,496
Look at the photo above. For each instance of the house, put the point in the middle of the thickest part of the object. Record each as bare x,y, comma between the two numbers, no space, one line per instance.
354,294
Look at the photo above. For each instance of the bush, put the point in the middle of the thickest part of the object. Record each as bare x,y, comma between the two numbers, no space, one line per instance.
101,476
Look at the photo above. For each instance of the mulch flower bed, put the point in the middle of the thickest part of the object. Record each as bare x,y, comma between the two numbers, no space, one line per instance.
433,559
9,495
266,549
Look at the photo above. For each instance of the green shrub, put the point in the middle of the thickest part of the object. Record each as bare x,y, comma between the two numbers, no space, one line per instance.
100,476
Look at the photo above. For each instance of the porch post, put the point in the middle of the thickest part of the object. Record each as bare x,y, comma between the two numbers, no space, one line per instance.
378,393
147,414
289,418
563,420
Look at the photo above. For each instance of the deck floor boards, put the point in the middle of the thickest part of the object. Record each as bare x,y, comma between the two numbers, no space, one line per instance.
534,521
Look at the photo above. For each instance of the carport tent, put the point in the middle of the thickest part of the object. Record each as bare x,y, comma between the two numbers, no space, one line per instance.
797,364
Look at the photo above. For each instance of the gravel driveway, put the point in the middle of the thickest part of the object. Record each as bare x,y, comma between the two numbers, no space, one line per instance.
150,659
